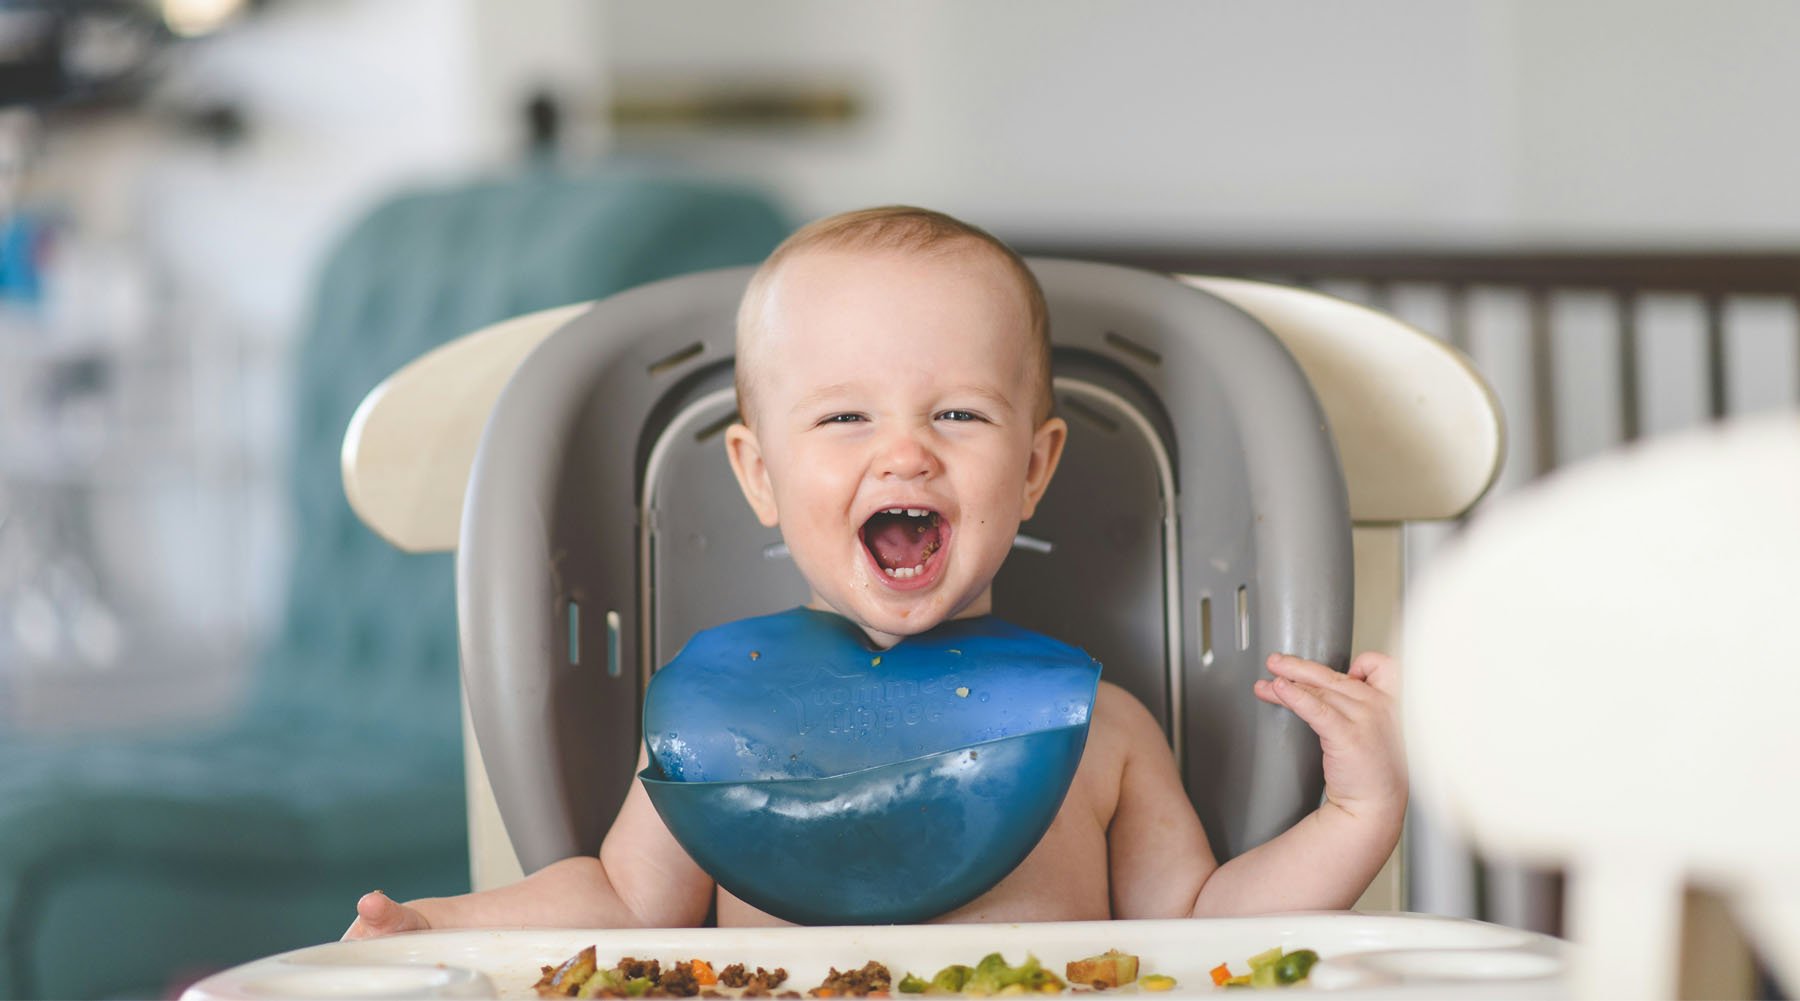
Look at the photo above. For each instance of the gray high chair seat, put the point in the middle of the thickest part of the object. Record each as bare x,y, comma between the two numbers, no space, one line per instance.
1201,519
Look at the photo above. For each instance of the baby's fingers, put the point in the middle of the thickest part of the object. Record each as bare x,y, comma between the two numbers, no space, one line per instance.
1307,672
1264,689
1381,671
1308,703
378,914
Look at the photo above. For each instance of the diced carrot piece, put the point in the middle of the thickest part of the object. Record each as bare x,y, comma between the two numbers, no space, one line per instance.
703,972
1220,974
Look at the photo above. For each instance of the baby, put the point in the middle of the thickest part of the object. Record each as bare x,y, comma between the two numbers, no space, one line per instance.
896,357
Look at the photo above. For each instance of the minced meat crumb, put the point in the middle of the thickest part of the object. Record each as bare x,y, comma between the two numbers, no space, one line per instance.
632,968
678,981
760,984
870,981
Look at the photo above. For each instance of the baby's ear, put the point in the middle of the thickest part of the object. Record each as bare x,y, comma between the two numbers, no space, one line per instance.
1046,451
752,473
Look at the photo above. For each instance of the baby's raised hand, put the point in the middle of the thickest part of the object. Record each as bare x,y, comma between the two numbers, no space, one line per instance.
378,914
1356,716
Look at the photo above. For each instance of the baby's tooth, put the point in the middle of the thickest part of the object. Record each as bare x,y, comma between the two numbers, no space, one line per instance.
915,512
889,571
893,510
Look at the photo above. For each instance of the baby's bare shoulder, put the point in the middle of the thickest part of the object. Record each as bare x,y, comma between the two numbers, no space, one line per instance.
1123,724
1121,731
1114,706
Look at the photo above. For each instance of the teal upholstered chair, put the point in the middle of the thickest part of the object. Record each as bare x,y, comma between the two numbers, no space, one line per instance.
126,863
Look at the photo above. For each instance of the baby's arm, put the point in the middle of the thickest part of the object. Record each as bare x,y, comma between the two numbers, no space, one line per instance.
642,877
1162,864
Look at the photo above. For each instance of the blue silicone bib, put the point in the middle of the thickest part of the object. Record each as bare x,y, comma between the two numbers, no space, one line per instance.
799,694
828,783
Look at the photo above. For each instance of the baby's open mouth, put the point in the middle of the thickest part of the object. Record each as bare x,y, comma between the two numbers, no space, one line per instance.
903,539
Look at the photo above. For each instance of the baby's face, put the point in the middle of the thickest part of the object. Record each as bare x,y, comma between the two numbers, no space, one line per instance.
893,432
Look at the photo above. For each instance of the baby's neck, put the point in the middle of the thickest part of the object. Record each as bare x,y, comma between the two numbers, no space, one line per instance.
983,605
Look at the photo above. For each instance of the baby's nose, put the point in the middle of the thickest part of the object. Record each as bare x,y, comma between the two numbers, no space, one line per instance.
904,456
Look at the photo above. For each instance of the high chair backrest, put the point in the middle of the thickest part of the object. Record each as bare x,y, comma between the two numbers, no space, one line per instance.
1200,521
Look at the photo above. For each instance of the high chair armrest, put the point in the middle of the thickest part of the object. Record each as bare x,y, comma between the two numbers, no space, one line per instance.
412,441
1419,433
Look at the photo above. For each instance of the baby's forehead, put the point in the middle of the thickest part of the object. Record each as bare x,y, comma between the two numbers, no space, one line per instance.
833,302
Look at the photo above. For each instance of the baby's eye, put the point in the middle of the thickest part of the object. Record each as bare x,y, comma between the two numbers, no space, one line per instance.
842,419
958,415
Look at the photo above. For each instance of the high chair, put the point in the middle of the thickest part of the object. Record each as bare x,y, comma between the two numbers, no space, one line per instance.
1601,677
1241,459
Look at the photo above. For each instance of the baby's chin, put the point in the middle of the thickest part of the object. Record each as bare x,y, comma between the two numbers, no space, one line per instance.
887,626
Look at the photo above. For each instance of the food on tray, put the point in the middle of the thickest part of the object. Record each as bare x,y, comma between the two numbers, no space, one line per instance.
755,985
1269,968
872,981
565,980
1111,968
992,977
581,977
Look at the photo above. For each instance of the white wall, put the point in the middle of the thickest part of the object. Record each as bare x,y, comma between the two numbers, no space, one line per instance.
1657,121
1170,120
1283,121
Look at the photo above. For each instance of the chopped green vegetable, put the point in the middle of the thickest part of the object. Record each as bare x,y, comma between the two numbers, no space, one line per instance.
1264,976
607,979
637,987
950,979
1265,958
1294,967
991,974
993,977
911,984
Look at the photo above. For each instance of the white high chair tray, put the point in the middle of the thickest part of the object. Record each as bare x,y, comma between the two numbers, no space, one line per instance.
1362,955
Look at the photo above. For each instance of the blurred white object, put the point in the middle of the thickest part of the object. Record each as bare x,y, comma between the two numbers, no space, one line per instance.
1602,673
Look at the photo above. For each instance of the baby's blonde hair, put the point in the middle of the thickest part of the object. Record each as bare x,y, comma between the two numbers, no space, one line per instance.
903,228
